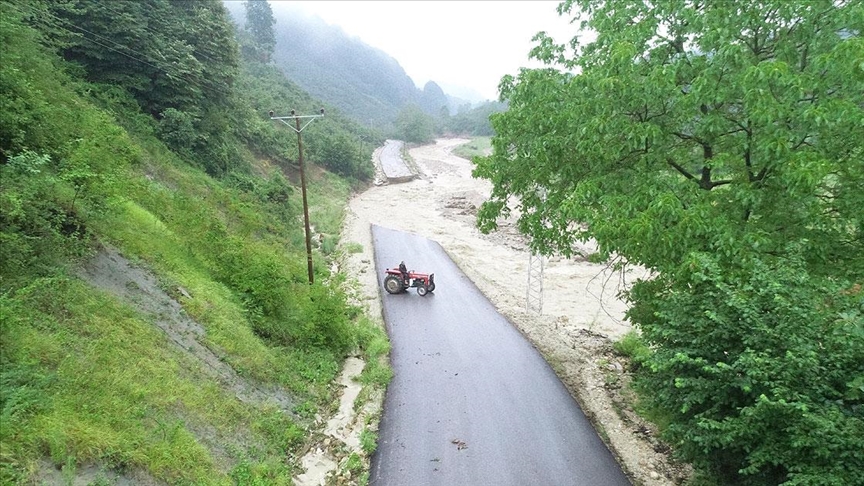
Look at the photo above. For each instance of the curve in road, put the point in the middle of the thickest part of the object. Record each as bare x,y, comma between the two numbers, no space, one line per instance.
472,402
392,163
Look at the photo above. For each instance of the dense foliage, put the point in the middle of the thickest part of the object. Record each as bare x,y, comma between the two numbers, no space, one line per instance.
360,80
475,120
259,26
137,126
414,126
180,62
718,144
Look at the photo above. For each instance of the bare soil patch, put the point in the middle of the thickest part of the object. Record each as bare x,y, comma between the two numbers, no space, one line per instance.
112,272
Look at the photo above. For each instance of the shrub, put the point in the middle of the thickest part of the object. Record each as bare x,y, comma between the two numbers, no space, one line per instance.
632,346
759,370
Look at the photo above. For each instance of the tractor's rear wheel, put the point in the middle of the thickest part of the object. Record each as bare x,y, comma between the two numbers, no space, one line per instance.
393,284
422,290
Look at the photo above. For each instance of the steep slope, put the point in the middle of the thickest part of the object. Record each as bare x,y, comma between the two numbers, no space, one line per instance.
363,81
158,326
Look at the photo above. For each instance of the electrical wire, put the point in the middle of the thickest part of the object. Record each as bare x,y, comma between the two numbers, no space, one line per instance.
147,28
32,9
162,69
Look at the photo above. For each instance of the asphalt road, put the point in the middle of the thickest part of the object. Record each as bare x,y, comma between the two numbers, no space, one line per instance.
392,163
472,402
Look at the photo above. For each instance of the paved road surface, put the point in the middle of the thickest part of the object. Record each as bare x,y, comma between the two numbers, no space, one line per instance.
392,163
472,402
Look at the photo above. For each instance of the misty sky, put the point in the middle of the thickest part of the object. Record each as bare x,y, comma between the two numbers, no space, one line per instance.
454,43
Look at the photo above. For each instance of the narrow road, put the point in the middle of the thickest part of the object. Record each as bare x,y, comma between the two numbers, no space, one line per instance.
472,402
392,164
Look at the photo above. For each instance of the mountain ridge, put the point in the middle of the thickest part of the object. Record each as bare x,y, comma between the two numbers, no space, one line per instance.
365,82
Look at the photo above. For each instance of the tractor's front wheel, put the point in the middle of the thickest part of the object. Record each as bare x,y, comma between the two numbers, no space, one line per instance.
393,284
422,290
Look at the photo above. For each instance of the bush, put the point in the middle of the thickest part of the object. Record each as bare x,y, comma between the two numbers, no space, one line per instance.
759,370
177,130
632,346
283,307
36,231
343,156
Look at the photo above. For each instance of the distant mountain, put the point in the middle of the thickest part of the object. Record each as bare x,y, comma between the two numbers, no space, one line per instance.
364,82
433,99
462,94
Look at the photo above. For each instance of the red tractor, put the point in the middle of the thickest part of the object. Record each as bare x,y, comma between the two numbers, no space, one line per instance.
399,280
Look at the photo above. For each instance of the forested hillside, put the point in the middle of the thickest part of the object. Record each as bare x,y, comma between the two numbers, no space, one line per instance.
721,146
137,134
364,82
361,81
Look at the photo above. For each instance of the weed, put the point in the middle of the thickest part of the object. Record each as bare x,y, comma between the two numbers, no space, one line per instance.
595,258
368,441
476,147
353,247
354,464
632,346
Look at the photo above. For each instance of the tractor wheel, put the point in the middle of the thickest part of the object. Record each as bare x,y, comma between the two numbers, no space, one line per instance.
422,290
431,286
393,284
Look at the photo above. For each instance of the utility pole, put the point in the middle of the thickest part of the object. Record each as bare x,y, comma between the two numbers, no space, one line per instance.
297,128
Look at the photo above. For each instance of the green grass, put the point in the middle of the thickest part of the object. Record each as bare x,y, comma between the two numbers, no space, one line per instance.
477,146
376,346
214,306
368,441
328,195
353,247
632,346
88,380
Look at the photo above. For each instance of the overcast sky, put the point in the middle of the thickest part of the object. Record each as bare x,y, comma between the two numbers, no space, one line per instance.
454,43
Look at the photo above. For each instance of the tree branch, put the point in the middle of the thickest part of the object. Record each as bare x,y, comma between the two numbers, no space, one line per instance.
680,169
748,161
801,143
705,181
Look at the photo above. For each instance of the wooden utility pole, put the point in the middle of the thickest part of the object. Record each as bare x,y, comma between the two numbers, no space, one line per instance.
297,128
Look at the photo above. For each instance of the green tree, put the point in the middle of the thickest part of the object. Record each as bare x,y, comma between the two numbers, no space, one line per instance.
170,54
712,143
259,25
341,154
475,121
413,125
174,57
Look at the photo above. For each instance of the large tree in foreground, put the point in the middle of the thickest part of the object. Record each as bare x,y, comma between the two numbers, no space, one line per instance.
720,144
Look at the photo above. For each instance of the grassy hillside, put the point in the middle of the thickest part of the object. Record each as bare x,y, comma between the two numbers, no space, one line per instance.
209,359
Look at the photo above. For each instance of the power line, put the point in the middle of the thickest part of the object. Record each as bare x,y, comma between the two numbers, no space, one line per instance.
160,68
32,9
147,28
